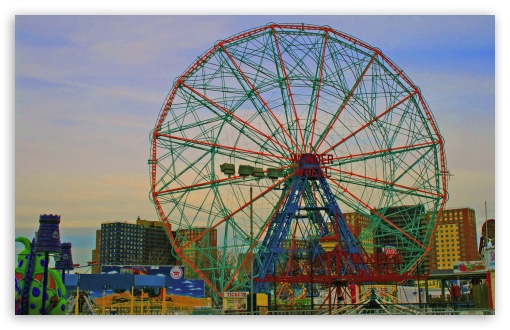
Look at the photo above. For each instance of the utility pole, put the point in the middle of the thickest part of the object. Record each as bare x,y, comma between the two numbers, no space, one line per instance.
486,240
274,274
252,249
311,272
419,291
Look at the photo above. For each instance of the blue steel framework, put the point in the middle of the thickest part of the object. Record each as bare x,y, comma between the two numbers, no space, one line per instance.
275,249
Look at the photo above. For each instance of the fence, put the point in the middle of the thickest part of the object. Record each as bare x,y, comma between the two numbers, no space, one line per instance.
365,311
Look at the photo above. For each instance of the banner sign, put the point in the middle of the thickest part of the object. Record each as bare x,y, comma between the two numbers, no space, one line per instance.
175,280
490,258
468,266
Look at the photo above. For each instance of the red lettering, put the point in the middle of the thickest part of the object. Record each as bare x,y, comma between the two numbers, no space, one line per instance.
367,258
390,271
312,158
235,294
313,172
381,258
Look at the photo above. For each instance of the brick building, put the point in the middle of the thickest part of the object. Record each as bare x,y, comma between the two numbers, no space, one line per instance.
201,251
455,238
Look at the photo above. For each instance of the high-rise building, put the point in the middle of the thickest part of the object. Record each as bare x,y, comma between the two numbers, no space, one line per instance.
96,268
141,243
376,242
357,222
455,238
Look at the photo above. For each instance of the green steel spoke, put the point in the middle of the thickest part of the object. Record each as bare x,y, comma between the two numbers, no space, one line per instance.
347,159
383,185
279,59
367,124
322,137
253,91
316,93
255,135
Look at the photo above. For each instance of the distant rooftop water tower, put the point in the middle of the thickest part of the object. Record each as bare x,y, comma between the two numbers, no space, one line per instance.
488,234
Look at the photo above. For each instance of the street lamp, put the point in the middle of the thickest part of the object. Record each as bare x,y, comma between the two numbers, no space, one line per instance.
274,292
257,172
311,273
419,289
251,245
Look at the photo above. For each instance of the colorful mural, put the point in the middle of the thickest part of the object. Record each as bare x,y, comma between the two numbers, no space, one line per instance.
176,282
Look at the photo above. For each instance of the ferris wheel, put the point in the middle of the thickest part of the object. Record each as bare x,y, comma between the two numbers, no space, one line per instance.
273,136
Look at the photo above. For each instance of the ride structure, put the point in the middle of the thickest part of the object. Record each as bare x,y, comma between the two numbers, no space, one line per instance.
317,124
30,277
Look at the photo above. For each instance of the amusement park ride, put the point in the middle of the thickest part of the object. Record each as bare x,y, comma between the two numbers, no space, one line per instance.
317,123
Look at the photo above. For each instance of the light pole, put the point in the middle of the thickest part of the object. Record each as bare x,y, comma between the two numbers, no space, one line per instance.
419,291
311,273
251,247
245,171
274,275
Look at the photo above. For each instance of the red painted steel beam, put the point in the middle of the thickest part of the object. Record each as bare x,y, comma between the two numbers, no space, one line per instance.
288,86
380,215
386,182
318,90
369,122
375,152
347,100
209,144
234,116
254,89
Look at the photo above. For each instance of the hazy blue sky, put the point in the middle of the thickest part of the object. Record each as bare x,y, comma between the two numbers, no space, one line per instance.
88,90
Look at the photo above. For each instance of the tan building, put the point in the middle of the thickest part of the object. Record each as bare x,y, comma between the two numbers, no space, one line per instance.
455,238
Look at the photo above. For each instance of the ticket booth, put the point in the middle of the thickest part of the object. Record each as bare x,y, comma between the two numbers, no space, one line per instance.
235,301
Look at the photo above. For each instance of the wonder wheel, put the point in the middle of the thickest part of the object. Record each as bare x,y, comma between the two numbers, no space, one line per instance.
289,153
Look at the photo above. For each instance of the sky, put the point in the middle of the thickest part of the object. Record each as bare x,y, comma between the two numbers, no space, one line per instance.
87,90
